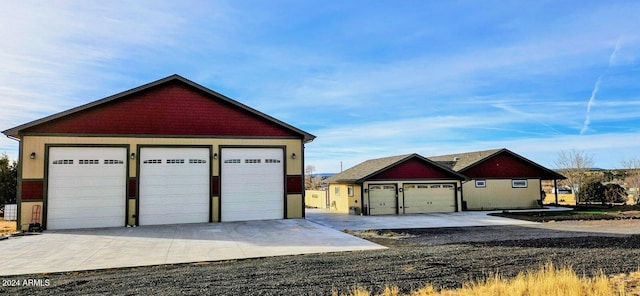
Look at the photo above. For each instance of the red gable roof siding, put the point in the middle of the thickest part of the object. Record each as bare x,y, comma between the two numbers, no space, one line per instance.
503,165
412,169
172,108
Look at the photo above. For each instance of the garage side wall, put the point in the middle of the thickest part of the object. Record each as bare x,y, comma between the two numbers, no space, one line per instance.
340,199
498,194
33,189
316,198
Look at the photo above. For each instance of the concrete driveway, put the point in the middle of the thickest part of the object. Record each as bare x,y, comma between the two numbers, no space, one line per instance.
87,249
434,220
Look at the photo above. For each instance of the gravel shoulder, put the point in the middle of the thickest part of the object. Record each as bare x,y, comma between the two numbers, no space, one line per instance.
444,257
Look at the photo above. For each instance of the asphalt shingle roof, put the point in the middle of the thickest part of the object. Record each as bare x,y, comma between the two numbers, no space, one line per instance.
461,161
366,168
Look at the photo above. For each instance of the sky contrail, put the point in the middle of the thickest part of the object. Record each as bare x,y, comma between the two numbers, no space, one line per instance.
592,99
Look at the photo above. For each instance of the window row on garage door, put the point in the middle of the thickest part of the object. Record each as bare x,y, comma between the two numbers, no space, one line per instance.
413,198
87,186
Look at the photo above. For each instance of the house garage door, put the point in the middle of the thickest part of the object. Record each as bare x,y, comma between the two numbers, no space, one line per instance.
174,185
252,184
382,199
429,198
86,187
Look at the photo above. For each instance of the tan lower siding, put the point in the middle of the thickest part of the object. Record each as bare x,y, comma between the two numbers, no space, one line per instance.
499,195
215,209
131,215
26,208
294,206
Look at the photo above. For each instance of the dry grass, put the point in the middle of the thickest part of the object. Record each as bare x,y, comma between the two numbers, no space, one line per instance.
563,199
388,234
570,199
548,280
7,227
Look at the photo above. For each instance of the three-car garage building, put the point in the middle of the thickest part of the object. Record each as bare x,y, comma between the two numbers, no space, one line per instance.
167,152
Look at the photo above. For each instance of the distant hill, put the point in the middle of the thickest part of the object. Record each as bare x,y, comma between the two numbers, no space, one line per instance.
323,175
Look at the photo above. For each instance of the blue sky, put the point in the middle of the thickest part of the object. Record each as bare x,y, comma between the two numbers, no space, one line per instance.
368,78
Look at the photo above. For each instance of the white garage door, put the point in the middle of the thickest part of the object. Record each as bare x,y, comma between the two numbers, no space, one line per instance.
252,184
382,199
174,186
86,187
429,198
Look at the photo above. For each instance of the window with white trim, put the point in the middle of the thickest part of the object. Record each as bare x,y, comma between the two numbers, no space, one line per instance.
63,161
253,160
350,190
481,183
519,183
235,160
113,161
197,161
153,161
88,161
175,161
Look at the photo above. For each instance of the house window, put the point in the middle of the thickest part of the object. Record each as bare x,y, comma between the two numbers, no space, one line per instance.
519,183
481,183
337,190
350,190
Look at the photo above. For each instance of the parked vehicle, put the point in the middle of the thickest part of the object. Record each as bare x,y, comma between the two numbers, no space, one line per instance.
561,190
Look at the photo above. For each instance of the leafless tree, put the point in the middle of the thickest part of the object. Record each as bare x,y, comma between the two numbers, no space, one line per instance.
632,174
311,182
574,164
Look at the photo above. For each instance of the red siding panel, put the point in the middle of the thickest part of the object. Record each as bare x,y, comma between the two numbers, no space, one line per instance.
504,166
413,169
173,108
294,184
215,186
133,187
32,189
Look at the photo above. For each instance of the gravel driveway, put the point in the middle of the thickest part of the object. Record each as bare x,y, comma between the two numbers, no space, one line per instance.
442,257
